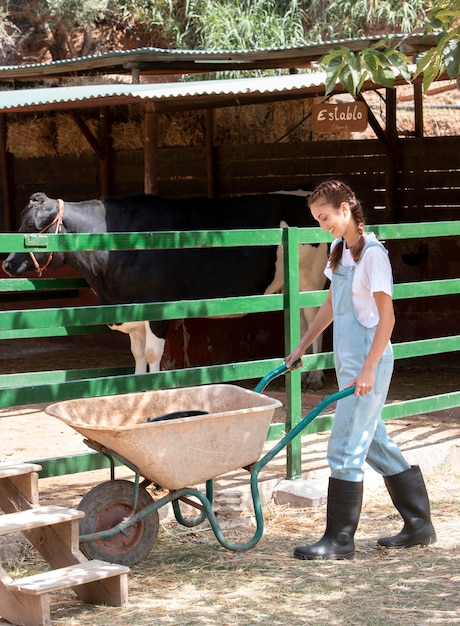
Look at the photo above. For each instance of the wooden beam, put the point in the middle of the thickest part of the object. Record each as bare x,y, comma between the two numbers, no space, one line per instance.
90,138
391,127
392,155
374,123
6,181
105,163
151,151
211,173
418,109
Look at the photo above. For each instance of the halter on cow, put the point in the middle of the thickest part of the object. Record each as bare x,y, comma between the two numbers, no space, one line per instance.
58,221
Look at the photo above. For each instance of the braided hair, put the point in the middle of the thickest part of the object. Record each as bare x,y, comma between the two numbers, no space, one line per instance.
334,192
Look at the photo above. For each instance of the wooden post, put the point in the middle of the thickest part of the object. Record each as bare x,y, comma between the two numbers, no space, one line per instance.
6,181
105,163
418,109
392,156
151,150
210,153
419,191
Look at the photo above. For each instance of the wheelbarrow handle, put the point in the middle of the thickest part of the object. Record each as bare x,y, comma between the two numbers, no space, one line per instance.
299,427
274,374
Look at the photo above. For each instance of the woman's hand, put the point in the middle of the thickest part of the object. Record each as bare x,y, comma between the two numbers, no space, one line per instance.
294,360
364,381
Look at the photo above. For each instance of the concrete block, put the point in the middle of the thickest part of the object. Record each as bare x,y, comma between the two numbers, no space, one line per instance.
301,493
454,458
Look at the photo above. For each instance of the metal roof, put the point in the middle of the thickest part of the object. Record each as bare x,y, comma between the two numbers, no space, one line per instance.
182,95
163,96
174,96
160,61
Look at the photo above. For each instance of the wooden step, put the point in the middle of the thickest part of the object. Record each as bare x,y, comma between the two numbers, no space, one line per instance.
18,486
37,518
66,577
6,470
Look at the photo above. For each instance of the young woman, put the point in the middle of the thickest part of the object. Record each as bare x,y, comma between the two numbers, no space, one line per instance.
359,302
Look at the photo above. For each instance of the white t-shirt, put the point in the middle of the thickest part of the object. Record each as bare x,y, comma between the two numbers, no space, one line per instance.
373,273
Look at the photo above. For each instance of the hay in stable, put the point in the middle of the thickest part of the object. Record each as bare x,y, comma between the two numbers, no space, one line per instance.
54,134
69,138
34,138
57,134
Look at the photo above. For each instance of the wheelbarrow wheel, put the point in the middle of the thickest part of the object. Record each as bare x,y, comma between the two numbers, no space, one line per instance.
107,505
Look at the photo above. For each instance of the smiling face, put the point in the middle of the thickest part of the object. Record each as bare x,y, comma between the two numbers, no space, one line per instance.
338,221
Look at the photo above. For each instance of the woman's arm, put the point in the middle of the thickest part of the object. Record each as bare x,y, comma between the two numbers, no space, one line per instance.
321,321
365,380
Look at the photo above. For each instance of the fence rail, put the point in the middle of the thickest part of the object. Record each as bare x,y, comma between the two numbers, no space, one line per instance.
53,386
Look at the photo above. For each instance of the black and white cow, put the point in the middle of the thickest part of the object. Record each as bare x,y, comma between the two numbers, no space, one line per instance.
132,276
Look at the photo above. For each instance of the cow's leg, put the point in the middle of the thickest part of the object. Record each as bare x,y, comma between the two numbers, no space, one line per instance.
314,378
147,347
137,339
312,261
154,348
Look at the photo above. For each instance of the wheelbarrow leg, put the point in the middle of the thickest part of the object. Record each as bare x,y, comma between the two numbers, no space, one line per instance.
189,523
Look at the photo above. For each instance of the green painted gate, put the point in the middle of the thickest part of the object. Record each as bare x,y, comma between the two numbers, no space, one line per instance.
53,386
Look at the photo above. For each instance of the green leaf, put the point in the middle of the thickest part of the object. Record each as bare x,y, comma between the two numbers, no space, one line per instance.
452,57
335,55
332,78
431,72
425,60
333,63
354,66
385,76
347,81
380,68
400,62
370,60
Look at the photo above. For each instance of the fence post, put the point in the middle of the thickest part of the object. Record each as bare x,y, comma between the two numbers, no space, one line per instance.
291,339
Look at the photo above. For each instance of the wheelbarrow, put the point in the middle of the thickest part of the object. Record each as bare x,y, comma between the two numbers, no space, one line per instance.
223,429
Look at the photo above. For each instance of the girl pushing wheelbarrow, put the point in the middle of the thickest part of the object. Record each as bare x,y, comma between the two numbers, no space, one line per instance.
360,304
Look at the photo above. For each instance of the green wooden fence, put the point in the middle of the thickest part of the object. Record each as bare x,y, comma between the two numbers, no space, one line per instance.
52,386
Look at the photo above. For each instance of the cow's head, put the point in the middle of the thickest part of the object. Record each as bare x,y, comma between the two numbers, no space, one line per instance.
41,215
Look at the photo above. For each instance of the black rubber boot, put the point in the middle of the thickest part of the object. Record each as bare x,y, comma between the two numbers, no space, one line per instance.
344,502
408,493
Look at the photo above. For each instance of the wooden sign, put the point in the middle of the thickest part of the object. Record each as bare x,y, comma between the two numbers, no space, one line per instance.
343,117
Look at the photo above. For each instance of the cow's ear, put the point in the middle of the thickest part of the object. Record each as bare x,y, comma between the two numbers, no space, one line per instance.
38,198
39,212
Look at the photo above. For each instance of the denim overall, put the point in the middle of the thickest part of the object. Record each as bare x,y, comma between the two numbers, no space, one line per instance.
358,433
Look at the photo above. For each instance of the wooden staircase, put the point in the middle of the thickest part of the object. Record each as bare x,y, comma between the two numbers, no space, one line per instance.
54,532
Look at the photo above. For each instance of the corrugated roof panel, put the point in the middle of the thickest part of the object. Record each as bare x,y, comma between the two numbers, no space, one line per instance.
169,61
41,98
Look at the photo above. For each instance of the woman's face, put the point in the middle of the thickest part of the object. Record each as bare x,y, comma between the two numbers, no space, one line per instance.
336,221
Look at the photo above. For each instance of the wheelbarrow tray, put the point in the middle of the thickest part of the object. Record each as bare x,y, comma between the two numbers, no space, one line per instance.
181,452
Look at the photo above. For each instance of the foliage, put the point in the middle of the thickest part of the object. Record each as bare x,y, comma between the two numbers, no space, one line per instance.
67,28
56,22
444,19
379,63
73,12
223,25
382,62
355,18
9,32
